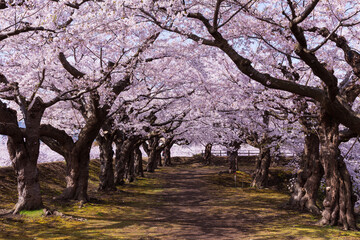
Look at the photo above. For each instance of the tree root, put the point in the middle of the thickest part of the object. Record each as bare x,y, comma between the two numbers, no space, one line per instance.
48,212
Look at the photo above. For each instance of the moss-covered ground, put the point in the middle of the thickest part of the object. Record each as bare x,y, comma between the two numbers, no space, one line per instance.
186,201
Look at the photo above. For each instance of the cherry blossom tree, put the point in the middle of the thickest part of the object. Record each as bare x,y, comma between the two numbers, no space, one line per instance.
23,74
297,35
221,72
68,56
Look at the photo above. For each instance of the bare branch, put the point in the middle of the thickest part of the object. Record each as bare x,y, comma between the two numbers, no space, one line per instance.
75,4
292,8
23,30
306,12
234,14
216,13
57,140
68,67
38,86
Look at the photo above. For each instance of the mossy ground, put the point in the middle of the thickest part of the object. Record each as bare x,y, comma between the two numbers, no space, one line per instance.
187,201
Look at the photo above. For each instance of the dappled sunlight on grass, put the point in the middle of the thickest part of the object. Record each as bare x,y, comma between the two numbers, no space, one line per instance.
262,211
188,201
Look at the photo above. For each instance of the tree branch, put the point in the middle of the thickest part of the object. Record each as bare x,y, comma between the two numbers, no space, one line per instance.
23,30
306,12
68,67
57,140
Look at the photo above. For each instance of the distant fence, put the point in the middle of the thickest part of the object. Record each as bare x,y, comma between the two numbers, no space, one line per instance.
247,153
221,153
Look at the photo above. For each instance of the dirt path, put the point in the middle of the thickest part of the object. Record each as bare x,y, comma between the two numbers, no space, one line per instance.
185,201
198,203
192,206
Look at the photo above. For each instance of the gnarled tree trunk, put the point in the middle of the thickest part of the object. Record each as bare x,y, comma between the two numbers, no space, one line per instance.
308,179
130,166
27,175
24,152
339,199
76,155
152,161
77,168
77,175
167,151
124,167
232,153
167,156
154,154
119,164
232,158
139,171
262,168
207,154
106,176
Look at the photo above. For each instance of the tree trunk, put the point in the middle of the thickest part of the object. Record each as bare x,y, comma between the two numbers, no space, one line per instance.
138,162
78,159
130,166
159,158
77,173
232,158
154,154
167,156
27,175
262,169
339,200
24,152
119,165
130,161
76,155
106,176
308,179
207,154
124,167
167,151
152,161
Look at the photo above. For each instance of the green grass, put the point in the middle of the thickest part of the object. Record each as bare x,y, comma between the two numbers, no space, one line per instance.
140,210
33,213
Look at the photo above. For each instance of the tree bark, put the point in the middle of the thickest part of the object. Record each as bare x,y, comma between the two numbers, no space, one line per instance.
207,154
119,164
232,158
139,171
77,175
262,169
167,155
24,152
339,200
124,167
76,155
232,154
77,164
130,165
106,176
305,189
167,151
155,151
152,161
27,175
